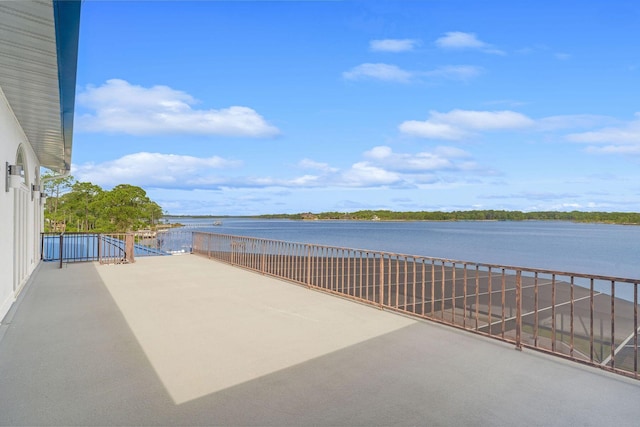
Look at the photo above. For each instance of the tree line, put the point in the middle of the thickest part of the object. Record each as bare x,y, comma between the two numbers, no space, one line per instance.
472,215
85,207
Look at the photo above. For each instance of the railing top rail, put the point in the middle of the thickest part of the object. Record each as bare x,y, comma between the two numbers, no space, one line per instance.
82,233
445,260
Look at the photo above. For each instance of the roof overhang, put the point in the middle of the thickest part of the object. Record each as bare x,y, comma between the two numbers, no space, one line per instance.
38,62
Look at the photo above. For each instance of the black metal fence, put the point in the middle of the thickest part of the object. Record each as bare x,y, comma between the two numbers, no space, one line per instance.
113,248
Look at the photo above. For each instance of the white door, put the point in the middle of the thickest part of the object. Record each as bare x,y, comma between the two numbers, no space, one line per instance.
20,237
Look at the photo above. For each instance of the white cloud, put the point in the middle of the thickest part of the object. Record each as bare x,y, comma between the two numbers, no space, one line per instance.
393,45
310,164
305,181
544,50
154,169
379,167
458,124
363,174
379,153
455,72
615,149
572,121
623,139
608,135
382,167
451,152
508,102
424,161
385,72
393,73
457,40
532,195
120,107
431,130
627,134
483,120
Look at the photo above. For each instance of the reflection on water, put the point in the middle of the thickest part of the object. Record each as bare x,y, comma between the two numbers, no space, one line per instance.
604,249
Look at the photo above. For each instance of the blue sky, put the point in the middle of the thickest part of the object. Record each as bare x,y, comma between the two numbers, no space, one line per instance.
256,107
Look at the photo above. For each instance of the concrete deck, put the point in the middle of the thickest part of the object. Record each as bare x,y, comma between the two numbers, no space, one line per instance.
187,341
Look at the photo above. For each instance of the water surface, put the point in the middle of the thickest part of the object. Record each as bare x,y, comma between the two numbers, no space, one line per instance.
603,249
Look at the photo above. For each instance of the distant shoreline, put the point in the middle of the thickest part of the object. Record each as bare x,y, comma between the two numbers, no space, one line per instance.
617,218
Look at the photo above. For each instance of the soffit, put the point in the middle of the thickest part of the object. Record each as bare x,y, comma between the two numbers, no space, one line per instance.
31,58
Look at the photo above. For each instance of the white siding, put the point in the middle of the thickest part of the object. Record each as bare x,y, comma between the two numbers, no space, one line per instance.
20,216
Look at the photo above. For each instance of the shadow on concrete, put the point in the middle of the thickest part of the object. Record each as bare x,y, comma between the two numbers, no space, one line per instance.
68,357
426,374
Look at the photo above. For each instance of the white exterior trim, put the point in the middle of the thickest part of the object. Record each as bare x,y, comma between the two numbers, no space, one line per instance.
20,216
39,43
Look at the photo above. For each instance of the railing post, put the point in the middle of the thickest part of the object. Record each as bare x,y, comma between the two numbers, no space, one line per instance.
99,248
129,248
381,281
234,255
635,330
519,310
309,265
61,247
613,324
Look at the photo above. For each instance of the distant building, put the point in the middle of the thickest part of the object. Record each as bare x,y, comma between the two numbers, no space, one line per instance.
38,62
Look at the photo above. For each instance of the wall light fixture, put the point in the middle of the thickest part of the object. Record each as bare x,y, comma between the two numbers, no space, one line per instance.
13,176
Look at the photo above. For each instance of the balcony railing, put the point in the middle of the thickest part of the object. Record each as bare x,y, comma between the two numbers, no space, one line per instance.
586,318
113,248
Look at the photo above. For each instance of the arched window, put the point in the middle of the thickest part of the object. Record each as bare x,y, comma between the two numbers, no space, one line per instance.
22,163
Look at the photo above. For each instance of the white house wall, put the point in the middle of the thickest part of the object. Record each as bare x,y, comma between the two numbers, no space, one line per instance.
20,216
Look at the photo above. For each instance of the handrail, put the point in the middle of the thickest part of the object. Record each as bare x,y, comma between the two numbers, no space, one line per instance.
80,247
110,248
591,319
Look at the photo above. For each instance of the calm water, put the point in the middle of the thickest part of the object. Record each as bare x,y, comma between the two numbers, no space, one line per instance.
612,250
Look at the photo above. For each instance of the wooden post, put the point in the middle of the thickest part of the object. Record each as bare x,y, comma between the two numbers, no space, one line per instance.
129,249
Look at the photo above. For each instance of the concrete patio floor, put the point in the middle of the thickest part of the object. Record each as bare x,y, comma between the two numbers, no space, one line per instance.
184,340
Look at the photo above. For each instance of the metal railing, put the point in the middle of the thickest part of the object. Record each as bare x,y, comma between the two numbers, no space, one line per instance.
112,248
174,240
586,318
